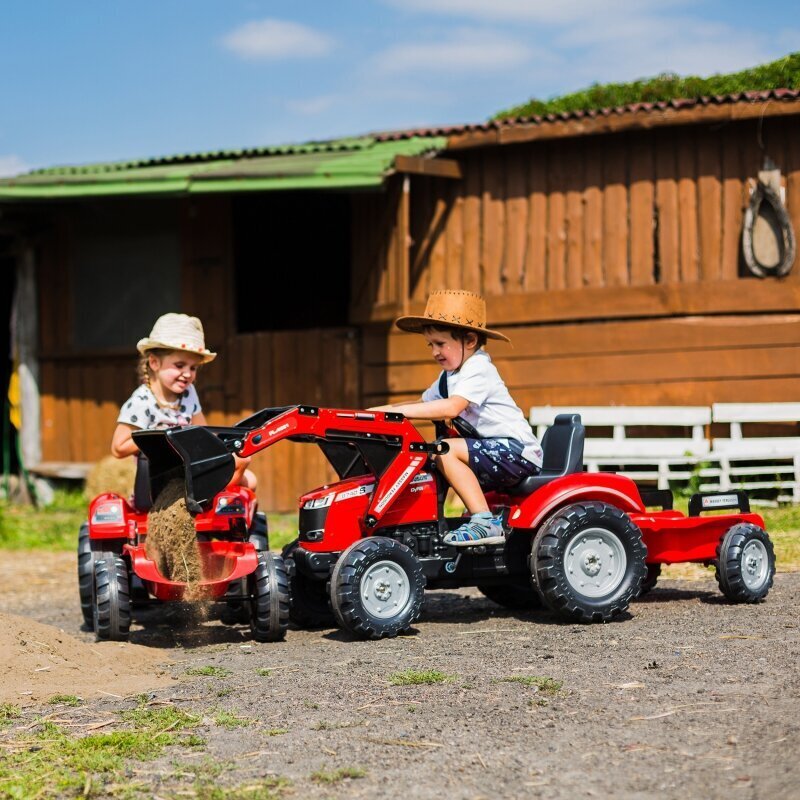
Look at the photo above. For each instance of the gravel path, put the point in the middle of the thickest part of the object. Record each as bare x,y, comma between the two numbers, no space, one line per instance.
686,696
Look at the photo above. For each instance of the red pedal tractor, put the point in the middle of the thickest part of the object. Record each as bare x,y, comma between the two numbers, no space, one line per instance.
581,544
114,570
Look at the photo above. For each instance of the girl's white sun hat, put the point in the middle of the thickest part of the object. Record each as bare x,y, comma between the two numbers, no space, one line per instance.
177,332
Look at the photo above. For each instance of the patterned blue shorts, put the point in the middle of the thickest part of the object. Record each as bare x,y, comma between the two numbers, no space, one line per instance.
498,463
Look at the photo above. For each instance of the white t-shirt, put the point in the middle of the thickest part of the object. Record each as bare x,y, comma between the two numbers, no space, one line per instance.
142,410
491,411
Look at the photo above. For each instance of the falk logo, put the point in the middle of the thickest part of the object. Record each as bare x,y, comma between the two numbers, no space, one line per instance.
277,430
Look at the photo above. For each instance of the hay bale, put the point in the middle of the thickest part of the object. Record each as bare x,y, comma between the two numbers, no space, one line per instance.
111,475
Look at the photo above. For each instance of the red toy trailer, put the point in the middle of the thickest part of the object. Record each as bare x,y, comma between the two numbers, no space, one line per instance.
232,541
583,544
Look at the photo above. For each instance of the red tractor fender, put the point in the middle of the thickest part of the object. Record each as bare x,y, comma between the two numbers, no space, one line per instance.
616,490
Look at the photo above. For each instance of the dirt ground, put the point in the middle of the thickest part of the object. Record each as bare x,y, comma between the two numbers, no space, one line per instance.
686,696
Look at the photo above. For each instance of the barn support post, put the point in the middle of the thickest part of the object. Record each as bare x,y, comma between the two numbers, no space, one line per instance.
405,246
25,344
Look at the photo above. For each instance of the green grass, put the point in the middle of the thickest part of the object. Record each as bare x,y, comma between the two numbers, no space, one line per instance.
276,731
343,773
413,677
781,74
52,528
264,673
65,699
51,763
8,713
226,719
208,672
548,686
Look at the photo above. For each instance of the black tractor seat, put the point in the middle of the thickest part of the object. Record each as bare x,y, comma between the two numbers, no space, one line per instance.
562,444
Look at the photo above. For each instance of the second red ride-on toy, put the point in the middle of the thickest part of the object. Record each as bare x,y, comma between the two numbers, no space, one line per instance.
582,544
114,569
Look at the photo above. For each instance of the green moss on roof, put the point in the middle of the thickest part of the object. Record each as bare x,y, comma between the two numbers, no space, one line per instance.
781,74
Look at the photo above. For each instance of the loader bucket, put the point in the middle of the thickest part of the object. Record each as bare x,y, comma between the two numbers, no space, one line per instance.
195,453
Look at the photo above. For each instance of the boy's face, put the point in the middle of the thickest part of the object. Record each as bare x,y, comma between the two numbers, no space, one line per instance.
448,352
175,371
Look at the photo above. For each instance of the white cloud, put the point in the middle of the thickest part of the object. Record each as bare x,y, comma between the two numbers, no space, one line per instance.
275,39
312,105
463,51
12,165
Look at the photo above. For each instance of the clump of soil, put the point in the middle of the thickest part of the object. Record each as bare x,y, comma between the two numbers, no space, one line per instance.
171,539
111,475
38,661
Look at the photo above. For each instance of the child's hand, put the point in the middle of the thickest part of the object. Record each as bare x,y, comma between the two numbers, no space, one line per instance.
380,408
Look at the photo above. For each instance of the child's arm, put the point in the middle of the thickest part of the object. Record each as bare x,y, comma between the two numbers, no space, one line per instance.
122,443
445,408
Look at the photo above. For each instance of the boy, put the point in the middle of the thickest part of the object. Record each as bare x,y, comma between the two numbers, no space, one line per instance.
502,450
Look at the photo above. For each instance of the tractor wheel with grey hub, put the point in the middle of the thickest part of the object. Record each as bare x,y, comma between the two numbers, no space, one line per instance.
111,604
588,562
309,606
377,588
268,587
745,564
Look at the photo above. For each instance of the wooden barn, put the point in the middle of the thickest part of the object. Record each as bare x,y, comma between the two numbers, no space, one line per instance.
607,244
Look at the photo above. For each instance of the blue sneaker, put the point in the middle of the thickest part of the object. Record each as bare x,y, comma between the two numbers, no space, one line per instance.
481,529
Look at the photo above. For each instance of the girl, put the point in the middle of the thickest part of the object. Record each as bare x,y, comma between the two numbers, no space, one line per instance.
170,358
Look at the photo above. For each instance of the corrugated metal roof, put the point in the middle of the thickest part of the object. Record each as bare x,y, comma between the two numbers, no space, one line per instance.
782,95
343,163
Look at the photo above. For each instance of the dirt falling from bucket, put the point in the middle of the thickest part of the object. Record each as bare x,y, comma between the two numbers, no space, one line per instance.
172,542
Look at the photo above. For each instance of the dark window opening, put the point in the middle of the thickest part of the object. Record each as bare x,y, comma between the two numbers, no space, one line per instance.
125,269
292,260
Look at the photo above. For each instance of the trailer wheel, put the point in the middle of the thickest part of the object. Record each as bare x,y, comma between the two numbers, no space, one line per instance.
745,565
309,605
651,579
111,605
588,562
377,588
85,574
518,595
268,587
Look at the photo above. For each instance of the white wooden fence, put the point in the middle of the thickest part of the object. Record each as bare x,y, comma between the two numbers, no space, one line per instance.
660,456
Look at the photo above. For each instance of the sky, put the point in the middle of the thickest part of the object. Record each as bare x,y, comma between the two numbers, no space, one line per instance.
99,80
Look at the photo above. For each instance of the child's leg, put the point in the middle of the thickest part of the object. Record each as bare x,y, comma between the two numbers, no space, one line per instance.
454,465
481,528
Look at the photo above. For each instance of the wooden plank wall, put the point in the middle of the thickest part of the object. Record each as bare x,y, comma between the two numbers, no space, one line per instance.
616,216
671,361
630,209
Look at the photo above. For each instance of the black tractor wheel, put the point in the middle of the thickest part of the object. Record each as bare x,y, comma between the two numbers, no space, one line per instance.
236,611
588,562
650,579
85,574
745,565
517,595
111,604
309,606
377,588
268,588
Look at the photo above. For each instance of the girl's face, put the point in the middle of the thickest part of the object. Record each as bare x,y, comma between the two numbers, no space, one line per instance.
176,371
448,352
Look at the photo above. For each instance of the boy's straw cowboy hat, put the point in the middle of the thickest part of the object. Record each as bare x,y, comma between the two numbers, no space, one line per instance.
177,332
452,308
